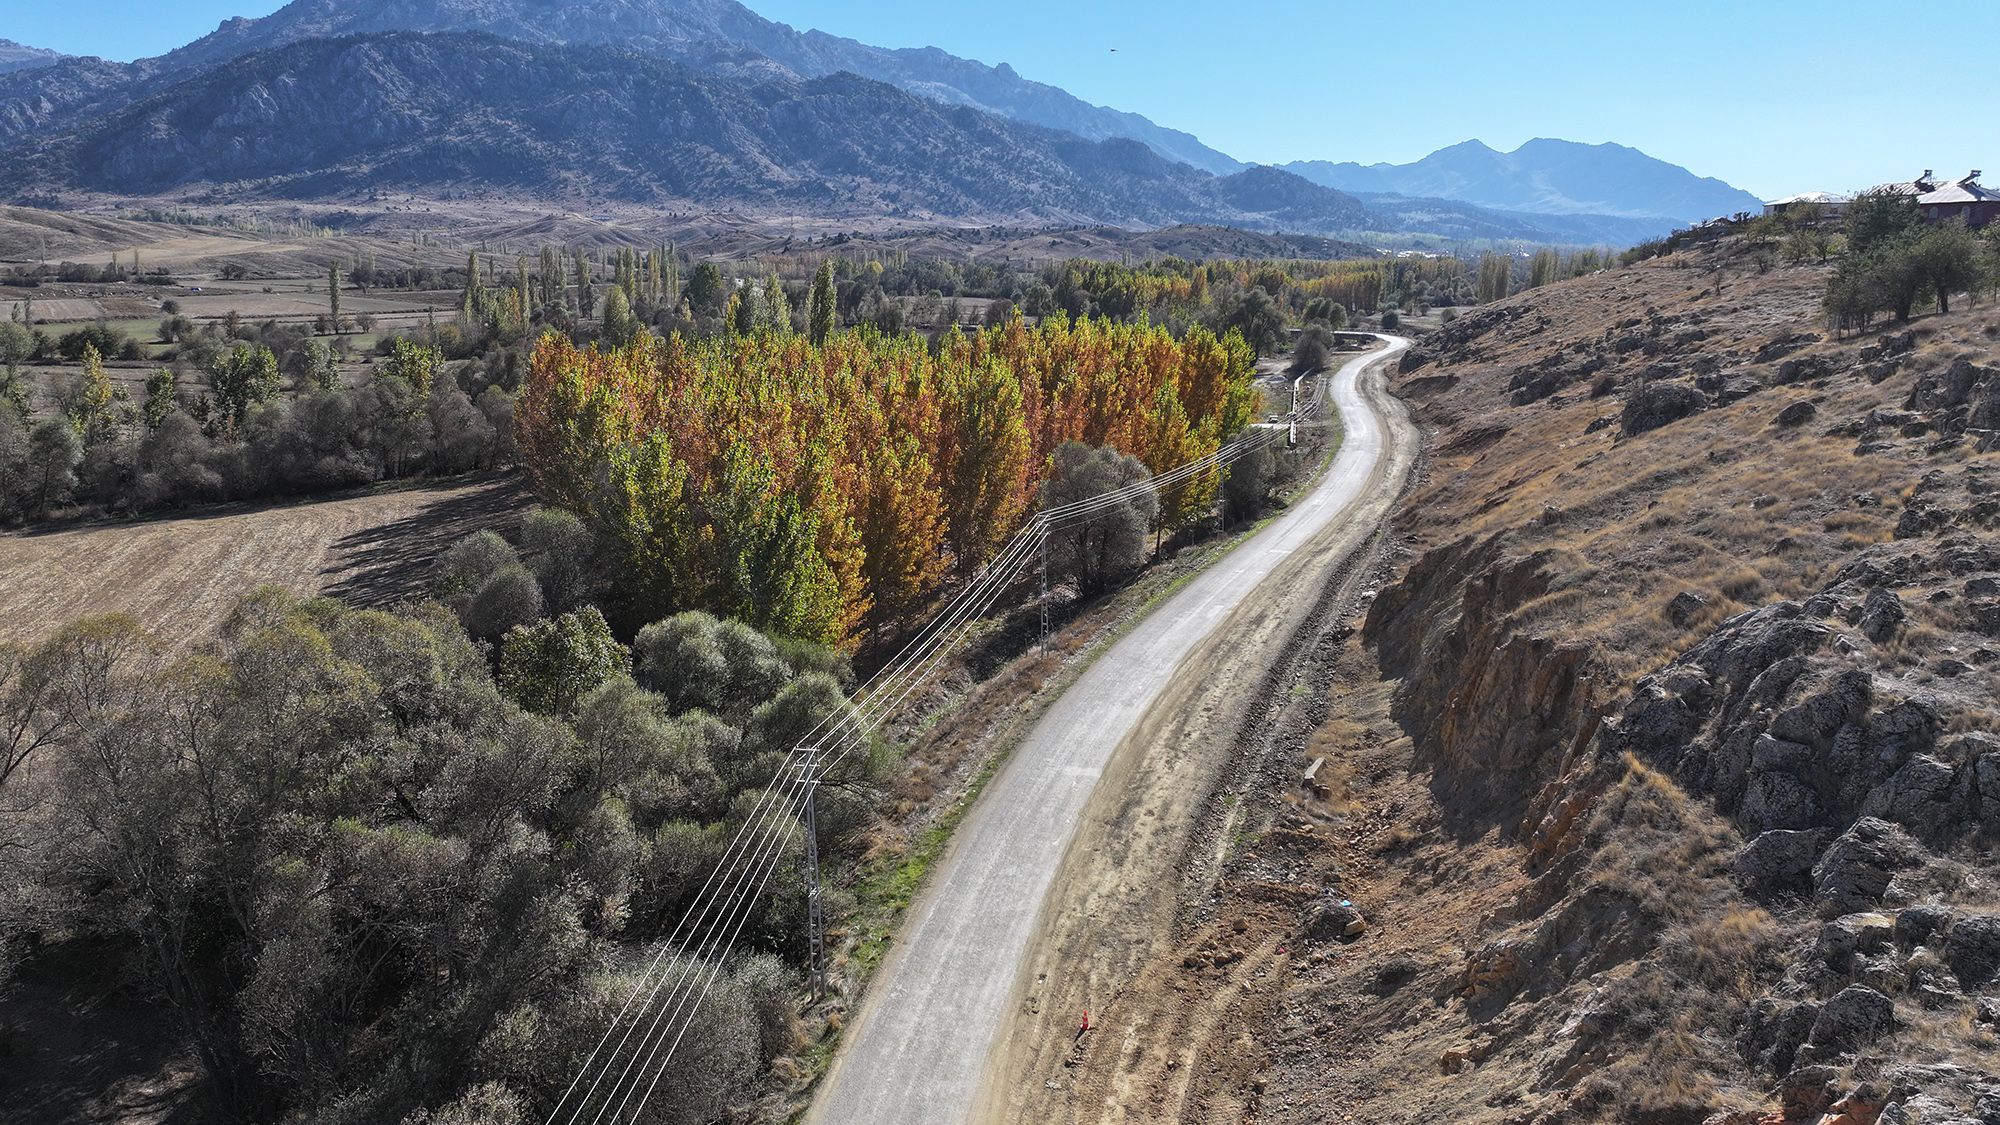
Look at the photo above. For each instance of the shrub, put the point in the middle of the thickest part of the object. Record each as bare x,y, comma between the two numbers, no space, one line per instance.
552,666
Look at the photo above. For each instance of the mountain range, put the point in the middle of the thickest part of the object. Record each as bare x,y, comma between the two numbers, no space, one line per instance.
706,104
1543,176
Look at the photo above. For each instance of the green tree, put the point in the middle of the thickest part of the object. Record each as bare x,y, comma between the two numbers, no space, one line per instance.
17,346
242,377
705,288
620,326
822,310
552,666
586,297
1880,218
1259,319
1111,542
93,403
1313,350
319,372
162,396
333,296
1947,258
54,452
413,363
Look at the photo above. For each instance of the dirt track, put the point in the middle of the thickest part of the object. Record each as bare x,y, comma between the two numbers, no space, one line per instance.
935,1021
181,575
1151,846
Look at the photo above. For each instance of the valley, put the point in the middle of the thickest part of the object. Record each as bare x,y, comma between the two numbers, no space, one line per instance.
632,562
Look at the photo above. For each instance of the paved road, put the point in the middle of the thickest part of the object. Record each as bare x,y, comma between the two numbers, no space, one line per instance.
919,1049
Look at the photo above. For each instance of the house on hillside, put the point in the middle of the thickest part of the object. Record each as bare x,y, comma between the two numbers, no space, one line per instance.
1922,185
1824,204
1965,199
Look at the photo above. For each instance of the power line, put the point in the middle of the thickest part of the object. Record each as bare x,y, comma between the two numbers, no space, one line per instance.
762,831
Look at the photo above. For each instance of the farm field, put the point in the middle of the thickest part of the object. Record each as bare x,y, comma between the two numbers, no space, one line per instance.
180,575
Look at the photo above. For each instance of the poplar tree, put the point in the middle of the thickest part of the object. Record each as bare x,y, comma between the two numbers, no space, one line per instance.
821,305
470,302
585,299
333,295
551,277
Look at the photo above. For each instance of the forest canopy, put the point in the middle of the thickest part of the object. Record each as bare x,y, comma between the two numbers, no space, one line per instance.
818,491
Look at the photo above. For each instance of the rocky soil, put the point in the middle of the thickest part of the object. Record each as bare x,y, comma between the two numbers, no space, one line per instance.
1669,773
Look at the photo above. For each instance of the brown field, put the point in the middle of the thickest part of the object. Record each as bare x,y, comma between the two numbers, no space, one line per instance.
181,575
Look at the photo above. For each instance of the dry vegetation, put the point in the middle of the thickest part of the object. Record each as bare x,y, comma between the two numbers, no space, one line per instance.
1557,932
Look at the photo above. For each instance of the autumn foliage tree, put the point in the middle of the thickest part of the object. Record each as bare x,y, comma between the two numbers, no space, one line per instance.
820,490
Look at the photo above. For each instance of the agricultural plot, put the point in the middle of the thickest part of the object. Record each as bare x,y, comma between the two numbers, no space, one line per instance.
180,576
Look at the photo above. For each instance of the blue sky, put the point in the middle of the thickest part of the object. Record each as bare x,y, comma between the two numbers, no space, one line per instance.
1774,97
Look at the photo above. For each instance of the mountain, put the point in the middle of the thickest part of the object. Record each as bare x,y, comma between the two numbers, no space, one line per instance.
1549,177
720,35
467,112
14,56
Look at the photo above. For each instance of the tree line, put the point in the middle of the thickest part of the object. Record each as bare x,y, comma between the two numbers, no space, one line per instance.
820,490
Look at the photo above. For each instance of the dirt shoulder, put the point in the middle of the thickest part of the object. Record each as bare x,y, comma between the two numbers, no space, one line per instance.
1141,874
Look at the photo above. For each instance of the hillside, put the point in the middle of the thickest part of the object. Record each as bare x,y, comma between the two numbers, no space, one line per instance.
15,56
1661,761
1545,177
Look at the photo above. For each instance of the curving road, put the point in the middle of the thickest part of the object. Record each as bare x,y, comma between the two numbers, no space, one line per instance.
919,1050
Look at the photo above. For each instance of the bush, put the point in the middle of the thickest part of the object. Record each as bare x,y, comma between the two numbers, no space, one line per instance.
1313,349
552,666
560,551
508,599
1112,542
468,563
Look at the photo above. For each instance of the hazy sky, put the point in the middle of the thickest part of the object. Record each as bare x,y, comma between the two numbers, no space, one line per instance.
1773,97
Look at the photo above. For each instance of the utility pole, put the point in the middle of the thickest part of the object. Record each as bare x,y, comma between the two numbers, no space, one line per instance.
1045,592
815,911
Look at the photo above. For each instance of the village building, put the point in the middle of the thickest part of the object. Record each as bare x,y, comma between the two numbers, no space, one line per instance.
1824,205
1965,200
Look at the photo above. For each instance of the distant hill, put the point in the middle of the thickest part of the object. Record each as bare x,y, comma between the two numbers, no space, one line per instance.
1549,177
14,56
327,118
719,35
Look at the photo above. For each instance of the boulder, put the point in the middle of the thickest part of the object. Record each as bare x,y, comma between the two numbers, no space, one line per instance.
1797,414
1658,404
1840,702
1683,607
1882,615
1972,949
1753,641
1802,369
1779,862
1916,925
1853,935
1806,1092
1919,797
1778,799
1986,772
1856,1016
1856,868
1333,919
1949,388
1785,345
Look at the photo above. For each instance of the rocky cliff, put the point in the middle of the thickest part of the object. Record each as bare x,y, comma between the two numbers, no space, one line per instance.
1695,644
